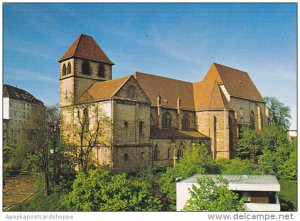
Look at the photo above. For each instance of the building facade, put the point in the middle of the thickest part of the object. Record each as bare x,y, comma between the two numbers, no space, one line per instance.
18,107
259,192
153,119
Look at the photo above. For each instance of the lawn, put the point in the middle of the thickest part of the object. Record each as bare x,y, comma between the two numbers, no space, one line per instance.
288,195
39,202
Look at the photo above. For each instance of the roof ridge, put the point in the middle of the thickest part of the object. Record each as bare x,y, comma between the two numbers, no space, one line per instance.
76,48
228,67
125,80
142,73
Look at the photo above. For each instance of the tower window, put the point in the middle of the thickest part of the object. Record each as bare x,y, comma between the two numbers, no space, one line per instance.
86,68
64,70
179,153
69,68
169,153
101,70
166,120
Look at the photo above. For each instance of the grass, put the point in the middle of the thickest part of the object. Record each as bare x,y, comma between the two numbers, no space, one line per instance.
41,203
288,195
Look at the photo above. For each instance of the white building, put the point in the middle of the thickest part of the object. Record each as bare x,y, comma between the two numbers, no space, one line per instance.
18,107
258,191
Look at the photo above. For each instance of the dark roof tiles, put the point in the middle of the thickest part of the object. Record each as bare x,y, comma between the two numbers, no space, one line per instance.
19,94
86,47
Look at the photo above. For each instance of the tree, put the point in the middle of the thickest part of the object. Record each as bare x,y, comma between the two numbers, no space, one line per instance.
195,160
212,196
279,114
90,129
39,138
238,167
288,169
99,190
248,145
275,149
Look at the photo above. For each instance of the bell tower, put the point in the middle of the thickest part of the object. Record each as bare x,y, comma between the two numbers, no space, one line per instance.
82,65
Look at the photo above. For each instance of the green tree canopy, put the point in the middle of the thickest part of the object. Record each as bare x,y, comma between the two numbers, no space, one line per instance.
213,195
279,114
99,190
195,160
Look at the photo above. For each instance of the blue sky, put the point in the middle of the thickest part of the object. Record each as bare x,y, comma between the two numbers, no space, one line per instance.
174,40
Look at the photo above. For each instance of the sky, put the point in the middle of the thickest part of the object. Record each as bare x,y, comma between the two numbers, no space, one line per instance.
179,41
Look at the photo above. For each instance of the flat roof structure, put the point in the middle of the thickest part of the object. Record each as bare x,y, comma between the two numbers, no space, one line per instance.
244,182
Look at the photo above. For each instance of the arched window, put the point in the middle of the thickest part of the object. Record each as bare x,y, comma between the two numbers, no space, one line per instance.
142,155
166,120
169,153
69,68
125,157
141,125
101,70
155,153
185,122
86,68
252,120
152,121
64,70
179,153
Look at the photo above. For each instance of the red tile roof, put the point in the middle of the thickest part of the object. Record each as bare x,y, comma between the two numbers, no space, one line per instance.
208,96
238,83
104,90
86,47
168,89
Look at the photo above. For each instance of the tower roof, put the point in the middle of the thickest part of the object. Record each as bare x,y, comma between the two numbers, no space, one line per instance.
86,47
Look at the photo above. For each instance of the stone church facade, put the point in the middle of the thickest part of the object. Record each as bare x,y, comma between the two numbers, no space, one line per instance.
153,119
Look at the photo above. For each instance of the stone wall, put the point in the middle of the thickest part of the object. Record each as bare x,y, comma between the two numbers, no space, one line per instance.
215,125
246,107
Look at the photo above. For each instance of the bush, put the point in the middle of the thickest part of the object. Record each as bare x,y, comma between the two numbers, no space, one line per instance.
213,195
238,167
102,191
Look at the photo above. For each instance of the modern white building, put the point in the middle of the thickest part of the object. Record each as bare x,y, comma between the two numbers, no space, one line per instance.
18,107
258,191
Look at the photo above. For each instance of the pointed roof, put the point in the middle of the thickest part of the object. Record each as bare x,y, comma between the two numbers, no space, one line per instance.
168,89
208,96
238,83
104,90
86,47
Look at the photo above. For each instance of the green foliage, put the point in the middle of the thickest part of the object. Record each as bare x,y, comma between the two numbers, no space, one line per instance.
39,202
213,195
288,195
288,170
276,149
102,191
279,114
238,167
248,145
195,160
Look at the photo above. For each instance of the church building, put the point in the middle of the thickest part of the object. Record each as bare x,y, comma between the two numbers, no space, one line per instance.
153,119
